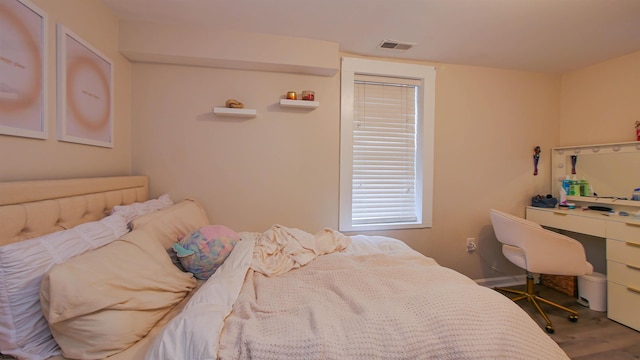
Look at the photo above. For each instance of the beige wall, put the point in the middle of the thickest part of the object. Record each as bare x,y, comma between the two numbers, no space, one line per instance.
600,103
24,158
282,166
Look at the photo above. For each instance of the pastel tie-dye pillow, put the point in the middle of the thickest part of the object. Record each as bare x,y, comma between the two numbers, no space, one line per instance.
202,251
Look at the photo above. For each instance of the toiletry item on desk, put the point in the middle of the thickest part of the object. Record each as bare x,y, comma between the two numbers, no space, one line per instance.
585,189
574,188
636,194
566,183
563,197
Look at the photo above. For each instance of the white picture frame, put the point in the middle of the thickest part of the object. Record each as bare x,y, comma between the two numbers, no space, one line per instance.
85,91
23,69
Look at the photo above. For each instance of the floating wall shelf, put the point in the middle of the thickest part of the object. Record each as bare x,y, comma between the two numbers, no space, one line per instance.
299,103
223,111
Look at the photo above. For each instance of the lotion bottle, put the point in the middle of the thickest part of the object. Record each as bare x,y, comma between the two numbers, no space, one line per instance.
563,196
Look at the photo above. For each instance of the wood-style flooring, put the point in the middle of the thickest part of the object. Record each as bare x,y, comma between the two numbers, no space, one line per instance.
592,337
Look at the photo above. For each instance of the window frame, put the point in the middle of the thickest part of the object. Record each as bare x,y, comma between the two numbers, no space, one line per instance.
426,75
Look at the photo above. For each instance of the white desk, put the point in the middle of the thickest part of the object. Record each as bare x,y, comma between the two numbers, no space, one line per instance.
622,234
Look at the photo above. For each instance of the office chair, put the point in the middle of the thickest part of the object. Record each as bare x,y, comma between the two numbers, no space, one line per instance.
537,250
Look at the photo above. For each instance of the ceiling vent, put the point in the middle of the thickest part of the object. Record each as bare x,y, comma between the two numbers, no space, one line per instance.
395,45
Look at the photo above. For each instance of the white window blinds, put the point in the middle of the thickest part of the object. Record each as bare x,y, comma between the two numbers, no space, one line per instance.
384,150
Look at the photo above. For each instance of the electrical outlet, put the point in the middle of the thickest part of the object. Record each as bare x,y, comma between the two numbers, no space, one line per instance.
471,245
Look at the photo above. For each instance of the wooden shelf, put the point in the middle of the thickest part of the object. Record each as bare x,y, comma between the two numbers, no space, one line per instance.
299,103
223,111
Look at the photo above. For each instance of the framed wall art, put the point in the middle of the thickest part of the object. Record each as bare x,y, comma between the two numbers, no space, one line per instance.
23,69
85,92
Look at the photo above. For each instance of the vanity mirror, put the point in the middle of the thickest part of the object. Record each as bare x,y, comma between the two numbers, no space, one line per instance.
612,171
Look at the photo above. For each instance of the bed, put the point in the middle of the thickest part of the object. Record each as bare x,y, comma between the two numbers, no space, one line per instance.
282,293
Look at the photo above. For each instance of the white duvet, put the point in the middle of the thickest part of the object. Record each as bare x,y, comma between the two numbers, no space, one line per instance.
405,306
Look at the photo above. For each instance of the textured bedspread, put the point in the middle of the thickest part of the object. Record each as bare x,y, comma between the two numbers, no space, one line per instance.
377,299
377,307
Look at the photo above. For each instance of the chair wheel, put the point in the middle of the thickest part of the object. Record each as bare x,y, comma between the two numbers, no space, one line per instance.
550,329
573,318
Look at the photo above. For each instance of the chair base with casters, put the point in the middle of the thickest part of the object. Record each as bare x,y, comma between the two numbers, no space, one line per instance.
530,296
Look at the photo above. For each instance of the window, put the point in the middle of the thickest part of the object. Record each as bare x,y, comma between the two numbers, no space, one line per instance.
386,145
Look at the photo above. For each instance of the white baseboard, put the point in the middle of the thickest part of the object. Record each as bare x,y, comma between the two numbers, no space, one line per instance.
502,281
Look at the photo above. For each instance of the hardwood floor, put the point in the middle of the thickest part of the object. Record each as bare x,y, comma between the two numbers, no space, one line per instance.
592,337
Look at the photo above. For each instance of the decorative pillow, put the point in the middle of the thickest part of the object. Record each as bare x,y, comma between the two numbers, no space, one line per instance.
24,331
170,224
205,249
175,260
102,302
135,210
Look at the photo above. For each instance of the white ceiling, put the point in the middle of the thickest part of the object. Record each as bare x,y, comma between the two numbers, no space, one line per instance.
552,36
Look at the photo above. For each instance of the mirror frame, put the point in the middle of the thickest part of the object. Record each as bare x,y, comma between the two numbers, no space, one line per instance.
560,164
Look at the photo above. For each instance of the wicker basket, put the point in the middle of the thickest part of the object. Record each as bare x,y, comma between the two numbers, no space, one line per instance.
565,284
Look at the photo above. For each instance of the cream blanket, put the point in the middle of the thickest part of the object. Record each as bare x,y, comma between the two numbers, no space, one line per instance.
377,299
281,249
377,307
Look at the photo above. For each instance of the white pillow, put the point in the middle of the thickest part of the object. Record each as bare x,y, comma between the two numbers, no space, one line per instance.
132,211
24,331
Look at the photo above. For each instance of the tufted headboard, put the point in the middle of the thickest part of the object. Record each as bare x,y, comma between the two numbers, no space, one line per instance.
33,208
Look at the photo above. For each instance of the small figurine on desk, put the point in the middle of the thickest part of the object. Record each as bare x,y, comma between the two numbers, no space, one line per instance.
536,158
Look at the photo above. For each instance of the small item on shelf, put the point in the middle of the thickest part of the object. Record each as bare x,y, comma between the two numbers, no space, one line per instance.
585,189
234,104
308,95
291,95
574,188
638,130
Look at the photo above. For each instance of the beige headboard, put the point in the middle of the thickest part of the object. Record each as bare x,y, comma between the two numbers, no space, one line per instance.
33,208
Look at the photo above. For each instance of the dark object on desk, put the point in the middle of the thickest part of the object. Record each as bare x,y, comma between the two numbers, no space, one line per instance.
599,208
543,202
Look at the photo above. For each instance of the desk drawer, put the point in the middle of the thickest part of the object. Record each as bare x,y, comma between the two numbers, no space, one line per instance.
562,219
623,252
628,231
623,274
623,304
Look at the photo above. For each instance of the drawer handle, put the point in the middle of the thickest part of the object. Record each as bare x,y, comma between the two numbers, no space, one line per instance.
560,213
633,223
634,267
632,244
632,289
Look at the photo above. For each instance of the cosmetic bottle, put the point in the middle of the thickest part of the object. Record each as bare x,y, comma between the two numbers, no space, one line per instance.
574,188
566,183
585,189
563,197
